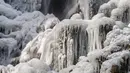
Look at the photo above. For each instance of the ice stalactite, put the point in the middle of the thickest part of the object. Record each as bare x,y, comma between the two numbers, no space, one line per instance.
61,43
97,30
65,43
35,48
113,58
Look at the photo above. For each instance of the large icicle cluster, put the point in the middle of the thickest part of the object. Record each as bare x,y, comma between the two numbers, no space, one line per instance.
67,42
113,58
97,30
59,47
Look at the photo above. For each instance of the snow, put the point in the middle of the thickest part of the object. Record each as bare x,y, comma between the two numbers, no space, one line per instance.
76,16
17,29
51,22
7,45
25,5
33,66
129,25
106,8
8,11
121,13
114,59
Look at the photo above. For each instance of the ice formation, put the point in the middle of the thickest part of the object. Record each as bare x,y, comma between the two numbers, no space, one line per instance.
25,5
94,37
16,32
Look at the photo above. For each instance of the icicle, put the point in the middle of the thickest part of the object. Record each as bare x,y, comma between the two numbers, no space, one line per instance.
94,39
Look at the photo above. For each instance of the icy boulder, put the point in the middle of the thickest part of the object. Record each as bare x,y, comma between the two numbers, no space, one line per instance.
122,12
117,63
33,66
107,8
50,21
6,69
117,10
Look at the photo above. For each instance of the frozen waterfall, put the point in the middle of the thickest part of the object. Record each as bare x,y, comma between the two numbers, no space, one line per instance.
64,36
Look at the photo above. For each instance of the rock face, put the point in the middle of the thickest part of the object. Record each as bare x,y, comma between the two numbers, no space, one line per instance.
95,37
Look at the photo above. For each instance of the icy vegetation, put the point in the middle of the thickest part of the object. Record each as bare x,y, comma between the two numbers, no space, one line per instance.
80,36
